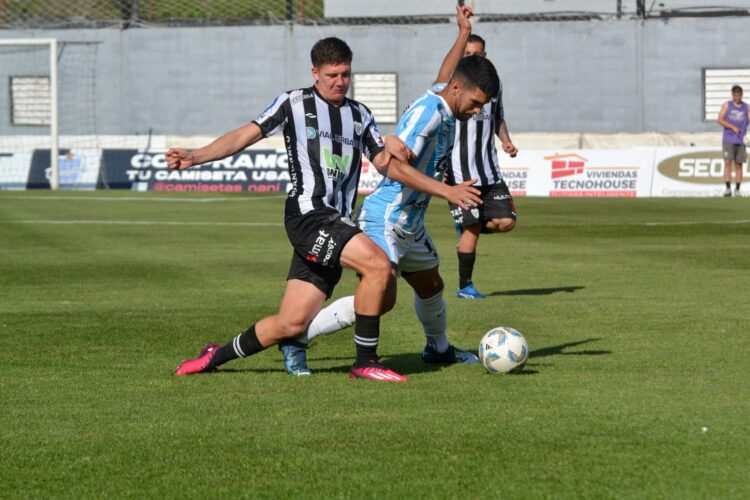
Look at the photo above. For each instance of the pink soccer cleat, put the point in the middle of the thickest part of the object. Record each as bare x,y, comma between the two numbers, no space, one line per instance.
199,364
375,371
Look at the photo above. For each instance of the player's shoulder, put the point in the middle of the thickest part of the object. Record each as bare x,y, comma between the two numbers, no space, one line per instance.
362,107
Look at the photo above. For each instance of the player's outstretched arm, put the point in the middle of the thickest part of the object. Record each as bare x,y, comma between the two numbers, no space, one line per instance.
463,195
228,144
463,15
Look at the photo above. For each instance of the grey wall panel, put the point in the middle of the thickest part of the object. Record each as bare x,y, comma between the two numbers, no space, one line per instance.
607,76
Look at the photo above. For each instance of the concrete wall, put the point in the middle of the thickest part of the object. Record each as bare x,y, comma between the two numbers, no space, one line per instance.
603,77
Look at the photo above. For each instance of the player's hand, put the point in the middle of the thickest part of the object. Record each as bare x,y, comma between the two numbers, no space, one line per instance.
736,130
464,195
179,159
510,149
398,149
463,15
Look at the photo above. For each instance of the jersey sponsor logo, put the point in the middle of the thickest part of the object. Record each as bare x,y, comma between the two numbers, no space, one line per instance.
336,137
336,165
311,115
301,97
311,133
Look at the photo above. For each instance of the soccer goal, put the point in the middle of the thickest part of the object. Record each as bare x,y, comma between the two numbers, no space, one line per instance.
47,114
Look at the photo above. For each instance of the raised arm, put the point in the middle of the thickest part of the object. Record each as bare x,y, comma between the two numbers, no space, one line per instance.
463,13
228,144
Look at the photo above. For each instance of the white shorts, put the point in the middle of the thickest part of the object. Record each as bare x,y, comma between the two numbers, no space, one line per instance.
410,252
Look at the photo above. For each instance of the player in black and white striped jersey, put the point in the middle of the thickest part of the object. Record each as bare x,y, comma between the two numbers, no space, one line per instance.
325,135
475,157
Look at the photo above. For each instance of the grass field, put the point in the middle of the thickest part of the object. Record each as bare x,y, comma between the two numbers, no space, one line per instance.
636,313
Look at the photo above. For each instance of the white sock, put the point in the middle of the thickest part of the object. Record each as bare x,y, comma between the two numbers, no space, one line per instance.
336,316
431,313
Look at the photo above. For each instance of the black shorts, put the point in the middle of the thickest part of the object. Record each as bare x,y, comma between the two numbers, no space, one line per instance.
318,237
498,204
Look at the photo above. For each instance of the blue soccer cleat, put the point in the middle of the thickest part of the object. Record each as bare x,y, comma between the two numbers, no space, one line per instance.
469,292
450,356
295,357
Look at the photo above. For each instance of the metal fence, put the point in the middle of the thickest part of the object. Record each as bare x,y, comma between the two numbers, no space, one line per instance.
36,14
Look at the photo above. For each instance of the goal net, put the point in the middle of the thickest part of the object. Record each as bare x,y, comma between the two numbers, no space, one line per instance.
48,132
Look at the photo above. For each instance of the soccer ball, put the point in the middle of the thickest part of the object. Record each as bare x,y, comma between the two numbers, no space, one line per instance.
503,350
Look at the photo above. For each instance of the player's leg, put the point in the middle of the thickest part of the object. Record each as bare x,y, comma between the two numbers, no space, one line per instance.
419,267
301,302
375,295
728,160
341,313
739,160
466,251
497,215
468,225
429,305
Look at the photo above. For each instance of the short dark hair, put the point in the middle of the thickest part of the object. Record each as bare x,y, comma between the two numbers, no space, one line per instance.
330,50
737,88
479,72
476,39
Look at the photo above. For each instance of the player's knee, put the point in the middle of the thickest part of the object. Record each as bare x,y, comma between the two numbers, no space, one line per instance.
377,268
292,327
501,225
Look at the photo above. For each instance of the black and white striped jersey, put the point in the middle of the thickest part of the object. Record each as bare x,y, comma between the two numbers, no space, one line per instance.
474,152
325,145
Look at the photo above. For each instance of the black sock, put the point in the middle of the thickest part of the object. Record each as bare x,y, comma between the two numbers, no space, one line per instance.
465,268
737,186
366,334
244,344
729,185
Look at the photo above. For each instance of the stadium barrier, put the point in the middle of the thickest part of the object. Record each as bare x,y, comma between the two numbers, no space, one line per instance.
674,165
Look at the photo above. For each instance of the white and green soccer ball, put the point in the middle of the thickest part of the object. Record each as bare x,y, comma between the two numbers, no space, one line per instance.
503,350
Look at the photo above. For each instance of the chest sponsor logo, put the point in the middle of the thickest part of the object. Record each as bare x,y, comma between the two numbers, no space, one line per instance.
336,165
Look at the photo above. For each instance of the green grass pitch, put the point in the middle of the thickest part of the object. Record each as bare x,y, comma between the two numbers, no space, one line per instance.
637,386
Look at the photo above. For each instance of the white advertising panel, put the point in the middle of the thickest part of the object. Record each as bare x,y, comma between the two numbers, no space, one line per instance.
689,172
583,172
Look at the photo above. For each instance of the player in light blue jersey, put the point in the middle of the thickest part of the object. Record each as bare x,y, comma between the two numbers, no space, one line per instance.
393,215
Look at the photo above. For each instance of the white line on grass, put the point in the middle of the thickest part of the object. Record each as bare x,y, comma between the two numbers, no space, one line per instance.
140,198
143,223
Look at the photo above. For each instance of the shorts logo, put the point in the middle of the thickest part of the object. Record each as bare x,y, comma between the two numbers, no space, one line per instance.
311,133
323,240
474,212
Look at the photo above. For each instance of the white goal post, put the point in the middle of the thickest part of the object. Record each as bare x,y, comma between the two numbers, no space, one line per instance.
51,43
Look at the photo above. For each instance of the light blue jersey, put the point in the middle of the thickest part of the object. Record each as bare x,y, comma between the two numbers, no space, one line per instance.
428,128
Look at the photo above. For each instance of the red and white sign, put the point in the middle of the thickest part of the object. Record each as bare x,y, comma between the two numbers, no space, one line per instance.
596,173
